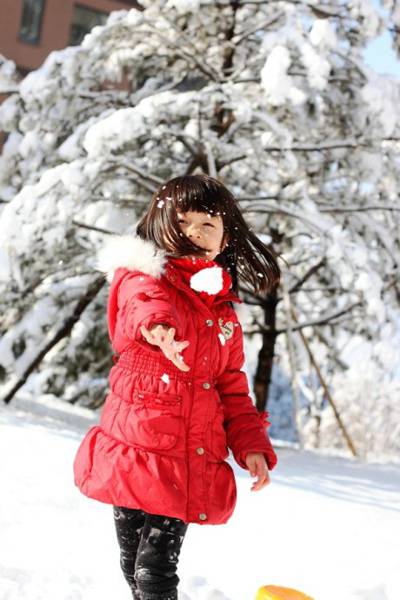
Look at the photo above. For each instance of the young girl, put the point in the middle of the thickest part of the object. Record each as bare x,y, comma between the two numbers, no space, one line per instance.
179,399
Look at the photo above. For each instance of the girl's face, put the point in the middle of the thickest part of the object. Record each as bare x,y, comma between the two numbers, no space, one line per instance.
204,230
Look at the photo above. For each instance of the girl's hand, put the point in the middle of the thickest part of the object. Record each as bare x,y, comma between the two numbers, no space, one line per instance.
257,465
163,336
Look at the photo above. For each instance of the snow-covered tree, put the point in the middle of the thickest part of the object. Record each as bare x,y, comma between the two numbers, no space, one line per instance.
274,99
9,77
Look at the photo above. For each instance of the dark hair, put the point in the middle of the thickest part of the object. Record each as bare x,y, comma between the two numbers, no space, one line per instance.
245,255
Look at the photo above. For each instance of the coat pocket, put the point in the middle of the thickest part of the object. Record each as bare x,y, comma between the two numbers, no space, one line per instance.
155,420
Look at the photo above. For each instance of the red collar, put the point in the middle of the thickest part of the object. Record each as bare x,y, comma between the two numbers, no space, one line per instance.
217,283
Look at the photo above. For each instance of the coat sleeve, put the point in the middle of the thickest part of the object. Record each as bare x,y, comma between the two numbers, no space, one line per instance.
144,301
245,426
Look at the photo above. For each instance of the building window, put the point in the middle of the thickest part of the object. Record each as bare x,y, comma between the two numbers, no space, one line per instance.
31,21
83,20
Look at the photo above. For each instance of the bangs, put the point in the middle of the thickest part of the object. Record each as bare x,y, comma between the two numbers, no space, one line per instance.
194,194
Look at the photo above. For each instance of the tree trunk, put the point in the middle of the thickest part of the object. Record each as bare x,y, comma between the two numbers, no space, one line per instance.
266,355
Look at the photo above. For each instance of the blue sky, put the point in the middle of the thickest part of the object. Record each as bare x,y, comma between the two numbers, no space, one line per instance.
379,54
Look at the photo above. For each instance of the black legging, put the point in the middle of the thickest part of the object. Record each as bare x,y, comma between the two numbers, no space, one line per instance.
149,551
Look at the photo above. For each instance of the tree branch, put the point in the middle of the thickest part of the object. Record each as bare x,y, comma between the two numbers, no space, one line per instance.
65,329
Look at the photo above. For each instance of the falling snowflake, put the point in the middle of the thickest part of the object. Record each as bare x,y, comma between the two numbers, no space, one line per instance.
165,377
160,204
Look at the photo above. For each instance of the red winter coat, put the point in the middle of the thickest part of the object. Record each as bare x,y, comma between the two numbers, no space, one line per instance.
164,434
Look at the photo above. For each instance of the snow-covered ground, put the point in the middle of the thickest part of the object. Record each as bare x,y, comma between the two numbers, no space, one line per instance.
327,525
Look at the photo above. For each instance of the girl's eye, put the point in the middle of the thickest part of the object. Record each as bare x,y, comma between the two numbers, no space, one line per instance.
182,221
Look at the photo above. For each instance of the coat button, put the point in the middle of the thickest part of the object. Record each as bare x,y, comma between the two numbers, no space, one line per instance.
202,516
206,385
200,450
210,322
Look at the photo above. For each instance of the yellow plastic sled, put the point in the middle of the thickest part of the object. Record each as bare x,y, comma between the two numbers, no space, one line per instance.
276,592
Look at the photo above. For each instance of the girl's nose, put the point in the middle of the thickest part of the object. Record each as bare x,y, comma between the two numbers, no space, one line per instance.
191,231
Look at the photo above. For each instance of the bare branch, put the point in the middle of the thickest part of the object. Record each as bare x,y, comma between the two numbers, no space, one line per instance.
325,320
240,36
333,145
311,271
283,211
320,11
92,228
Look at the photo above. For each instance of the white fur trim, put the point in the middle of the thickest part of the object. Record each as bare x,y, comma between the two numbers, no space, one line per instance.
132,253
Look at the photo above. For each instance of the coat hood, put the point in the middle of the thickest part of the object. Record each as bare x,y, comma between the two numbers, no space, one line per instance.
130,252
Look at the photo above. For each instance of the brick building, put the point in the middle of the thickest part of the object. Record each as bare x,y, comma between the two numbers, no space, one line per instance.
31,29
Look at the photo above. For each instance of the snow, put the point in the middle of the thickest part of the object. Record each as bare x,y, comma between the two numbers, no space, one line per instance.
207,280
8,75
115,130
130,125
327,525
183,6
317,66
364,9
165,377
276,82
322,34
382,97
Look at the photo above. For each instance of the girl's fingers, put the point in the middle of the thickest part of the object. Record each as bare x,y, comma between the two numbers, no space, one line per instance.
148,336
154,335
262,473
183,345
177,358
172,349
261,482
179,346
170,333
179,362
